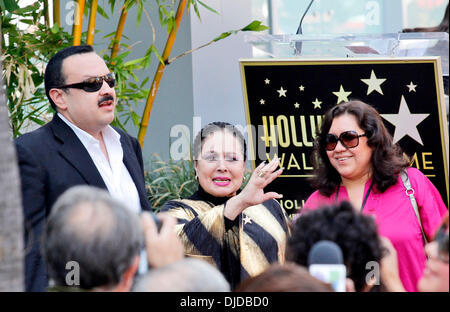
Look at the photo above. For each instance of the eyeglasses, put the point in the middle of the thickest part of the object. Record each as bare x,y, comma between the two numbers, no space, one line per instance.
93,84
349,139
443,244
212,158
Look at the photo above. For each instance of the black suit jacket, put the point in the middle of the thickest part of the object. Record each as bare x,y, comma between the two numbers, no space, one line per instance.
51,160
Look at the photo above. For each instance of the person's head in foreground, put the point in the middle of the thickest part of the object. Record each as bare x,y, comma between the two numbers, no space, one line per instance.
92,242
289,277
186,275
354,233
436,275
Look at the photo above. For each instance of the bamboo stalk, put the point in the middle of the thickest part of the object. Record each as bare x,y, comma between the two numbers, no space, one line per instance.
158,74
119,31
78,22
56,13
46,14
91,26
188,52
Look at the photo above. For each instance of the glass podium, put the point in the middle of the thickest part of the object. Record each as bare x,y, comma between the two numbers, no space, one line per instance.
360,45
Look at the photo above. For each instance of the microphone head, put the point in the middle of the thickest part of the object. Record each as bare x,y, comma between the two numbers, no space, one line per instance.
325,252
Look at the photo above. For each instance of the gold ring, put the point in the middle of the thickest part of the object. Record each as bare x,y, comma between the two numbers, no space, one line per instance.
261,173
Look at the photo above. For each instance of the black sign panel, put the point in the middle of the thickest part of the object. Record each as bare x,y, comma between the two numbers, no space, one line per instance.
286,100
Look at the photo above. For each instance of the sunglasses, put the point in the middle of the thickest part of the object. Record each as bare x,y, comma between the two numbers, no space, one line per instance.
349,139
93,84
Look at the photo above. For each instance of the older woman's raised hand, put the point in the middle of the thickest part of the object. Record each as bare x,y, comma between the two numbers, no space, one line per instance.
253,193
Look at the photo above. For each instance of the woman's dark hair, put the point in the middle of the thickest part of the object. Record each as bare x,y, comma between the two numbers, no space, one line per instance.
356,234
387,158
214,127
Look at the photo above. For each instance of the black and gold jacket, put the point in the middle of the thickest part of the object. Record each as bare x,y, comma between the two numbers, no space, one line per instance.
240,248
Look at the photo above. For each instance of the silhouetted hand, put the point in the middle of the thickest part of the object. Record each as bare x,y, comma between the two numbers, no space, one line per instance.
163,247
389,267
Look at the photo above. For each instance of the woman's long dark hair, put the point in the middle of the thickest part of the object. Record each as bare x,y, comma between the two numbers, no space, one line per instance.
387,158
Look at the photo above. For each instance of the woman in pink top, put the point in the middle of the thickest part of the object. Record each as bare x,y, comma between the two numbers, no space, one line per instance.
356,160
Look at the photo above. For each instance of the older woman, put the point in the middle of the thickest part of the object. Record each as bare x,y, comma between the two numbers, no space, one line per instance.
356,160
240,232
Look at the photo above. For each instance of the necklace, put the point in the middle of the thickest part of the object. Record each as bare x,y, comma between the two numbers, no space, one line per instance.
365,197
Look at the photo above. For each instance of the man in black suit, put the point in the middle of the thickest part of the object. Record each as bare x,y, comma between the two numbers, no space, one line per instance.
77,147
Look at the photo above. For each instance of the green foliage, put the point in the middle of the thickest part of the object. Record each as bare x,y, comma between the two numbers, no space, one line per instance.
169,180
166,13
23,53
130,91
253,26
195,3
8,5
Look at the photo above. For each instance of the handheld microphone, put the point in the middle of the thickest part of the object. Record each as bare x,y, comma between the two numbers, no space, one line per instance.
325,262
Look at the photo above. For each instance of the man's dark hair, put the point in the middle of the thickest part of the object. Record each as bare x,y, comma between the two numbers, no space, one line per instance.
387,158
54,76
355,233
212,128
88,226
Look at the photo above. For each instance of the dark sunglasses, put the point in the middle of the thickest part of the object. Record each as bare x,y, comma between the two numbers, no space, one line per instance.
93,84
443,244
348,138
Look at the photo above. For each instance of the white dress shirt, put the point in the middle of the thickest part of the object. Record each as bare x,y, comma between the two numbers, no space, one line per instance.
114,173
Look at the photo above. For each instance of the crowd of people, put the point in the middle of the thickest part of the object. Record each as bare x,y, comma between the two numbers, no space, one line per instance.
89,226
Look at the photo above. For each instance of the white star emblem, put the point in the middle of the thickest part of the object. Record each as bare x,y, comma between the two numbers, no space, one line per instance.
247,219
282,92
297,105
317,103
411,87
342,95
405,123
302,88
262,102
374,83
267,81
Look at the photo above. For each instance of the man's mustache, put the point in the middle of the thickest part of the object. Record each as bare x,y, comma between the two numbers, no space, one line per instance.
105,98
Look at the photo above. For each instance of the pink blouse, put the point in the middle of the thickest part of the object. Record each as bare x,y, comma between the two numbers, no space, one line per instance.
396,220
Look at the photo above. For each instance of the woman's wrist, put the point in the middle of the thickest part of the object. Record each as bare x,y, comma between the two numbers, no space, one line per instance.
233,207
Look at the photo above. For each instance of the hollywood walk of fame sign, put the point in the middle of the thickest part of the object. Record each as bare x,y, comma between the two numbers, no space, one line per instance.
286,99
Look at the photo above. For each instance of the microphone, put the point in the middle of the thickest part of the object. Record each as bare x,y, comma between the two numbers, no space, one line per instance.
325,262
298,45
